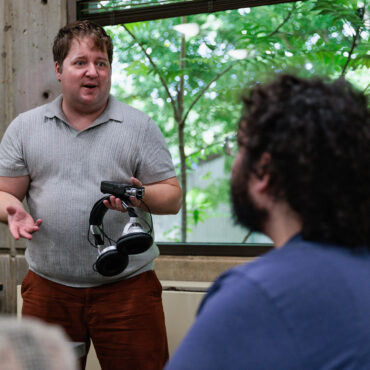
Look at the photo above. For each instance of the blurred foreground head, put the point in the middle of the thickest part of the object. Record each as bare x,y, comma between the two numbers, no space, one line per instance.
317,134
29,344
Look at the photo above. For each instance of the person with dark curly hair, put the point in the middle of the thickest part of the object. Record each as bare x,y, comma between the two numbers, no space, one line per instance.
302,177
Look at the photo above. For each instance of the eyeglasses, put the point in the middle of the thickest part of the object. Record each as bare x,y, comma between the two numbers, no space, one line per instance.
231,145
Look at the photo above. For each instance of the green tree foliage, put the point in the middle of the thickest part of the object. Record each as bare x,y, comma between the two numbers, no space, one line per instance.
191,85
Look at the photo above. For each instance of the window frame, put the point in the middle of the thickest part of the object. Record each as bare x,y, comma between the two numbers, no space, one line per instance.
167,11
214,249
154,12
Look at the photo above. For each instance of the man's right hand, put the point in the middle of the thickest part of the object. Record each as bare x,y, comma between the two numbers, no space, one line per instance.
21,223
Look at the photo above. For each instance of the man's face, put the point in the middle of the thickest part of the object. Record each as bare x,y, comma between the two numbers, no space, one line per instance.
245,210
85,77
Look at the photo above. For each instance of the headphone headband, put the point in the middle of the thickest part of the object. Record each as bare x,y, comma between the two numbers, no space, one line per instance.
113,259
98,212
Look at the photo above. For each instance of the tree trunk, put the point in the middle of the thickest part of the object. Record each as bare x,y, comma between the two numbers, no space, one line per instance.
183,180
181,125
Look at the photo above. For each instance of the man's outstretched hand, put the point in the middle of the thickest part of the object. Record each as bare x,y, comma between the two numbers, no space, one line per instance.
21,223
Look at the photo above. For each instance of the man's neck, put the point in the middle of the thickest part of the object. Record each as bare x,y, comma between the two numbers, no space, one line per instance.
282,224
80,119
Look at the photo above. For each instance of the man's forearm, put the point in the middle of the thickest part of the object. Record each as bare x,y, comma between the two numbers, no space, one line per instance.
12,192
7,200
162,198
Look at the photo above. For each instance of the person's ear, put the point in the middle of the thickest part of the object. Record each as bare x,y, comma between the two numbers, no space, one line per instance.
58,70
263,176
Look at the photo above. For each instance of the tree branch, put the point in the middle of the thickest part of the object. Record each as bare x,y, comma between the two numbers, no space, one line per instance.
156,69
360,13
284,21
354,43
249,233
200,94
366,88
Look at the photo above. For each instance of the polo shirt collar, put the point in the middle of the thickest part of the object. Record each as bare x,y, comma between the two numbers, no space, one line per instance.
54,109
111,112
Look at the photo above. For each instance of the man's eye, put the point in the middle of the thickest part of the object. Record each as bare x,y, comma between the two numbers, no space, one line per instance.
101,64
80,63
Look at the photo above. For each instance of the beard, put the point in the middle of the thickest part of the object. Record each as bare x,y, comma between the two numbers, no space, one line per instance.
245,211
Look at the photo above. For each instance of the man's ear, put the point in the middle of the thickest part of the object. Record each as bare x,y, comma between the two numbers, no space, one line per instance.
58,70
263,176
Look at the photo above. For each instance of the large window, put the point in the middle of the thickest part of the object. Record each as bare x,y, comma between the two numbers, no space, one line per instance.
186,63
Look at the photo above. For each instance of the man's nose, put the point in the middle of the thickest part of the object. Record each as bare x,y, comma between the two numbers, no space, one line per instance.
92,70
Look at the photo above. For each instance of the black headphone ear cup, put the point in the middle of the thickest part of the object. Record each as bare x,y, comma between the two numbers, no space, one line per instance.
111,262
135,243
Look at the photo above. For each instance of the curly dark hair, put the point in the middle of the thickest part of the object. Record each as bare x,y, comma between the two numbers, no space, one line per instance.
62,41
318,135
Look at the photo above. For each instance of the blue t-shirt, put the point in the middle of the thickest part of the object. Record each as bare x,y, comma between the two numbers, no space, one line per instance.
303,306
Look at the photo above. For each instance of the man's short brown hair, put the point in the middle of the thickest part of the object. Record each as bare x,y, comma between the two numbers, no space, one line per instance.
80,29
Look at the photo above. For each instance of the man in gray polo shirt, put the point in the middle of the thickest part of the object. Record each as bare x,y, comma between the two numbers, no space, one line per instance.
56,156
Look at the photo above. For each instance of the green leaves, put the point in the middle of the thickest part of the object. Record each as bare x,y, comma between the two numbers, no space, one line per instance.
194,87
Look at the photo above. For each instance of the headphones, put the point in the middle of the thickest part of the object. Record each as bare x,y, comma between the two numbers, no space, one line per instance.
113,259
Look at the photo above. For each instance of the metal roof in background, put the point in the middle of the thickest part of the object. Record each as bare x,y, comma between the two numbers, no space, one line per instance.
127,11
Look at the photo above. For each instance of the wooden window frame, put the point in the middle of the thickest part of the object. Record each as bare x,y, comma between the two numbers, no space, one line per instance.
154,12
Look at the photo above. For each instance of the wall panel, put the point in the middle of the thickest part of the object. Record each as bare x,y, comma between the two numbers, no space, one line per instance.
27,80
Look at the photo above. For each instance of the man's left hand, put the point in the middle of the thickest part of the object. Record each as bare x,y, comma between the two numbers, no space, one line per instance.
115,203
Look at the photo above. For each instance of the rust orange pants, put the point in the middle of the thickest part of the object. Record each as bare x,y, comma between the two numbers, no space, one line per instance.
124,320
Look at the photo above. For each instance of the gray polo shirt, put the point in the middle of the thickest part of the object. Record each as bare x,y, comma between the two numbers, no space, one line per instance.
66,167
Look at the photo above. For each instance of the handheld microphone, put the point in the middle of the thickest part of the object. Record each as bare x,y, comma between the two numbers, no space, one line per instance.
122,191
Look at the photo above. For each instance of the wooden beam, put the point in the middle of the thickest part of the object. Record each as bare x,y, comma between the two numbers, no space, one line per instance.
178,9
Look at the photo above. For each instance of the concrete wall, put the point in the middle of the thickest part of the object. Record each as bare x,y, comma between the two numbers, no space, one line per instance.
27,80
26,69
